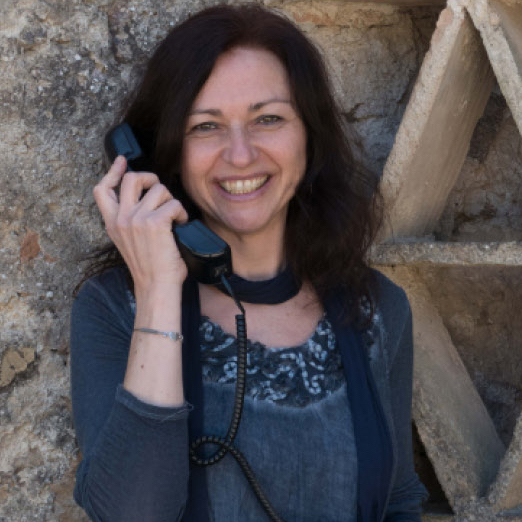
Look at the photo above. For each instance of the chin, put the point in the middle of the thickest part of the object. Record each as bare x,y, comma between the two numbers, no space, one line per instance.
244,225
245,228
246,221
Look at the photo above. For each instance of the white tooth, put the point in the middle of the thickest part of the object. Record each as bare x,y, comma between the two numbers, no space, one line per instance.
243,186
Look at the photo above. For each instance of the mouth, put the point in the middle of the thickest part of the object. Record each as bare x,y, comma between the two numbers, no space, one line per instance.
243,186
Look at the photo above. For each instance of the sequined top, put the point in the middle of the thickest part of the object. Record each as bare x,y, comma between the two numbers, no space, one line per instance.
293,376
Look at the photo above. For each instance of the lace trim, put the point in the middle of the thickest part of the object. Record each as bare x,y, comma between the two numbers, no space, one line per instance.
293,376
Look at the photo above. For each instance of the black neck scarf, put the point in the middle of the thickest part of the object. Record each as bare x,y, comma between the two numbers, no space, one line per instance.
372,438
277,290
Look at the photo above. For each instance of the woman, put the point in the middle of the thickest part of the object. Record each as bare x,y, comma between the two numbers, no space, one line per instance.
241,127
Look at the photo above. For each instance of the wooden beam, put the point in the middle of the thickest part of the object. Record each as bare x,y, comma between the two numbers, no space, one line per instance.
407,3
506,493
500,25
433,139
453,423
439,253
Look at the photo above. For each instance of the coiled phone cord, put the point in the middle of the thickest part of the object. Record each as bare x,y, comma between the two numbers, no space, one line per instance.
226,443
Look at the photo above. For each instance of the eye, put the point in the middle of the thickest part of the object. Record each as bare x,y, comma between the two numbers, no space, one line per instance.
269,119
205,126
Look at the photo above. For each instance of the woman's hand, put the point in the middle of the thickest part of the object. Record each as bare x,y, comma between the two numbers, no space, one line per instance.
141,227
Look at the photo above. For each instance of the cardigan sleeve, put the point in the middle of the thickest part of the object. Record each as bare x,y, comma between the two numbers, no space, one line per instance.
408,493
135,455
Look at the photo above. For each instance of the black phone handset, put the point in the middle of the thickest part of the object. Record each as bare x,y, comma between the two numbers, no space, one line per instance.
209,261
207,256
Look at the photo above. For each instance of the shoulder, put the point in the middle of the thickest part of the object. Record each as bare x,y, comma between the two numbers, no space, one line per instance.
112,281
106,293
393,313
390,299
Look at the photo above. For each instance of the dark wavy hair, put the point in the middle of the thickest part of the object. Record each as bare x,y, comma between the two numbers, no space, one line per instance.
335,213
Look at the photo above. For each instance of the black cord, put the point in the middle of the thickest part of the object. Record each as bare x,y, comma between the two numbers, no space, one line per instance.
226,443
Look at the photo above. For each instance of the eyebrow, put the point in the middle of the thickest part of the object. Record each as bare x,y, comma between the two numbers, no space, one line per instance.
251,108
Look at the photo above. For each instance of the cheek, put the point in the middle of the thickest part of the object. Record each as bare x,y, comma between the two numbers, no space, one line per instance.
188,179
289,150
199,156
300,159
192,167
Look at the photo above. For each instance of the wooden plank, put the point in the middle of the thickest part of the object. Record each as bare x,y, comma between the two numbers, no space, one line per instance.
407,3
506,494
448,254
500,25
453,423
433,139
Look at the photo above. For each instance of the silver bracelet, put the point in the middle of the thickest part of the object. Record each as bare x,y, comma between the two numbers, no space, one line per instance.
173,336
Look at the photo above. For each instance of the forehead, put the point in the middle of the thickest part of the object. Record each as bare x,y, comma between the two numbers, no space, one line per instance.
244,75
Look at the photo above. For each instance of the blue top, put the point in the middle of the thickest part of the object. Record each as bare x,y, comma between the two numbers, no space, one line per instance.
135,458
288,391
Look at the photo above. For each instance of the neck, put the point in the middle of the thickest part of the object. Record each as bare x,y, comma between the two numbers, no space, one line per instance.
256,255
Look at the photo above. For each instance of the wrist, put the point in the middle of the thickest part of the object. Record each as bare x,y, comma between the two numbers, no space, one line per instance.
159,308
158,293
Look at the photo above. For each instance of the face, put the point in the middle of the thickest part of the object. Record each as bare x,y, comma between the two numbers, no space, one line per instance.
244,151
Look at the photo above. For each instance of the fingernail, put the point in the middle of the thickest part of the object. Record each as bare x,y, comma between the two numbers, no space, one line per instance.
119,160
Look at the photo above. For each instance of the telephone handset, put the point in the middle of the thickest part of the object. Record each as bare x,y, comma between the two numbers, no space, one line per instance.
207,256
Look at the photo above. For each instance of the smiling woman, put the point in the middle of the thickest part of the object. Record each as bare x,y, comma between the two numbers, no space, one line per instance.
236,114
244,153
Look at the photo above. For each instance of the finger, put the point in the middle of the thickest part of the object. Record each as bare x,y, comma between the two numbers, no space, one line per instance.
164,215
173,210
115,173
132,186
155,197
104,193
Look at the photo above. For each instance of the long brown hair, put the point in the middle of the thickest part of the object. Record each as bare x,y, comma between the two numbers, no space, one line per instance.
335,213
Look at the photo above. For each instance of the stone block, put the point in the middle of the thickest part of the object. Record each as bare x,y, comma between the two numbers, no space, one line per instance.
430,147
452,421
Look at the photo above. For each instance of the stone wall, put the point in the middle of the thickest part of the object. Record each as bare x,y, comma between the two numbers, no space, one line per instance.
66,66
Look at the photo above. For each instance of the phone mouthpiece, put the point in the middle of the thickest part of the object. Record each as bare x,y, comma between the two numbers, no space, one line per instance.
207,256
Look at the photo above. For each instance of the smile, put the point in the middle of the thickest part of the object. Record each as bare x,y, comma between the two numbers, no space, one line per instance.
243,186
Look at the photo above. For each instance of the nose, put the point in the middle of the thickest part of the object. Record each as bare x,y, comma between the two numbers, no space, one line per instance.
240,151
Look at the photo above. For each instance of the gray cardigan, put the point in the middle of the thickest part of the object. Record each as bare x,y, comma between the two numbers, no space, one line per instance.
135,455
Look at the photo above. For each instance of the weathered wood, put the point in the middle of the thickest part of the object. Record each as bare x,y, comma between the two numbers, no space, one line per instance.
448,254
500,25
506,493
433,139
412,3
453,423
